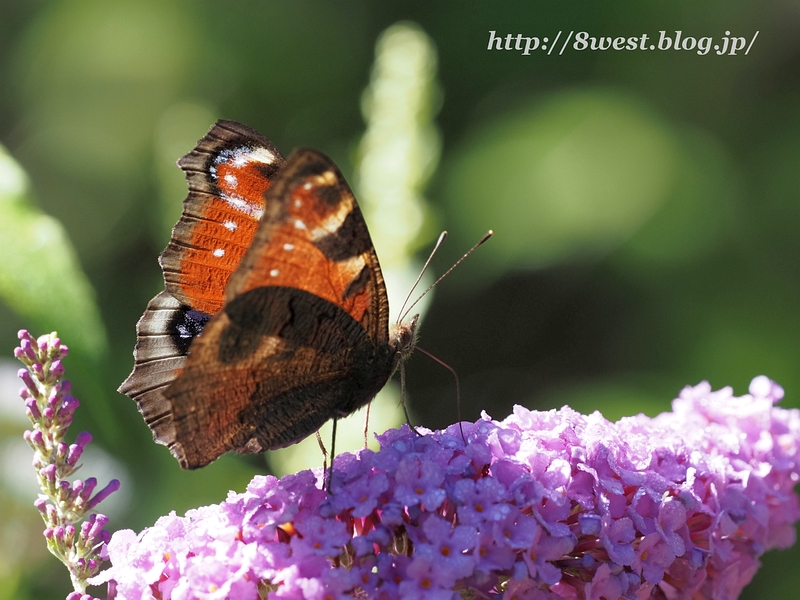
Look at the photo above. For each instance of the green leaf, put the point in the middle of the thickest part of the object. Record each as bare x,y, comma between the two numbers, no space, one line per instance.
40,277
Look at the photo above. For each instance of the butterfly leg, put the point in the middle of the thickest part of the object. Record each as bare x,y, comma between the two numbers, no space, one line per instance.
333,454
366,425
324,454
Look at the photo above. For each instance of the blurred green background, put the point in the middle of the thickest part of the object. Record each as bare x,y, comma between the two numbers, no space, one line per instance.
646,208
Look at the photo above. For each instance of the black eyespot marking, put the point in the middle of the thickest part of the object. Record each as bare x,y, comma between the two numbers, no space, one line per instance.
185,325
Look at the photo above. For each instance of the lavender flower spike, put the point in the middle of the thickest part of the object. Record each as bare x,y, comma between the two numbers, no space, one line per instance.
540,505
62,504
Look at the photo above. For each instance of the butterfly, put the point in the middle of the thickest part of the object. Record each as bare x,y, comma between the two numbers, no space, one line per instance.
274,317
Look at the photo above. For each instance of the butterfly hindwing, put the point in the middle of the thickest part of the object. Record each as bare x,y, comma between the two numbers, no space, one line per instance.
270,369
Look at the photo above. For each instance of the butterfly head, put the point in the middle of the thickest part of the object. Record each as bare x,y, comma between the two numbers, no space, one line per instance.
403,338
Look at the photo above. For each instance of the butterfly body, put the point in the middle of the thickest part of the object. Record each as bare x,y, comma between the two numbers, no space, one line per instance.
275,315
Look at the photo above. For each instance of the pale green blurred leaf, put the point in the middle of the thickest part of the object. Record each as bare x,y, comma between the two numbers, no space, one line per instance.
400,148
9,585
40,277
94,77
572,177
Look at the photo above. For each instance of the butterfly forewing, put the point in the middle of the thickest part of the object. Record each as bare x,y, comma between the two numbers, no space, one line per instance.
313,237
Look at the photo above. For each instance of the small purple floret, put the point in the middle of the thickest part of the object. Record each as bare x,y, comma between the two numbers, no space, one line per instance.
27,379
112,487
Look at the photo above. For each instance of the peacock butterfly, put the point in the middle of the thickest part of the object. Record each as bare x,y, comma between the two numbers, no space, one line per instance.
275,317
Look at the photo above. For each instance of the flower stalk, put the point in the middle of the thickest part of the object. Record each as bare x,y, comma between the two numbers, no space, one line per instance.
74,536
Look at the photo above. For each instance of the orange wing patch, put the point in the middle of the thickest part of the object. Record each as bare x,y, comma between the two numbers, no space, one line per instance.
229,173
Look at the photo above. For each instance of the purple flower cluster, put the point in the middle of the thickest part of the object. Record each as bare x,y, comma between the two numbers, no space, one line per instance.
63,504
541,505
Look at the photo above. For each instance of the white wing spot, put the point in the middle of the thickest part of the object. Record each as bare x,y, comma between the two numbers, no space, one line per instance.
299,224
244,206
308,185
230,225
288,247
231,180
297,203
262,155
219,252
237,203
274,273
241,156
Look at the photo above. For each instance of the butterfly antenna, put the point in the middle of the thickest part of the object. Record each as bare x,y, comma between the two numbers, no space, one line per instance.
442,238
488,234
